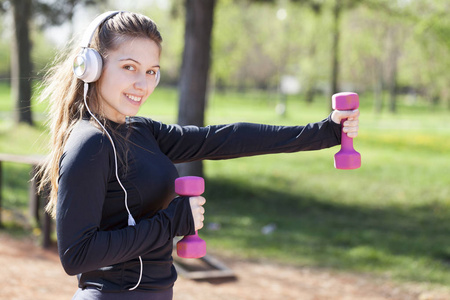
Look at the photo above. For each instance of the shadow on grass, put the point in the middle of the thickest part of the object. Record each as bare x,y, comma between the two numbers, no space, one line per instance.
405,242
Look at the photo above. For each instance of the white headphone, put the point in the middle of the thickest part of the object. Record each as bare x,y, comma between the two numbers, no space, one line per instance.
88,64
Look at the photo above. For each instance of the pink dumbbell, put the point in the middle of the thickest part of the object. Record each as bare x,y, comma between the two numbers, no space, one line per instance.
191,246
347,158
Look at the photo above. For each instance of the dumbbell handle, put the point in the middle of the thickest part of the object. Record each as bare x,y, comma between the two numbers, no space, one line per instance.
346,142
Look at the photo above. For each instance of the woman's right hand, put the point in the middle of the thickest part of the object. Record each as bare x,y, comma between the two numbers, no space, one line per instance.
198,210
351,125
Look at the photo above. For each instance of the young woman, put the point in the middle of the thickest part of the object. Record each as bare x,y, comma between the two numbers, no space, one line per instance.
112,173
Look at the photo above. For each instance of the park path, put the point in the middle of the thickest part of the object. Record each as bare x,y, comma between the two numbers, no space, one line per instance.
29,272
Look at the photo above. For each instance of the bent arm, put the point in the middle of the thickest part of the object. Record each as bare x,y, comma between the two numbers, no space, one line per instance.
83,246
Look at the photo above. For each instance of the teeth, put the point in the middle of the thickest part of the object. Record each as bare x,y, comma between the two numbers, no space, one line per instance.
134,98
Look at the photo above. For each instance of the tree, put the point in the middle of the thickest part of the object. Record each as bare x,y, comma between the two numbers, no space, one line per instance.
21,65
51,13
195,70
337,8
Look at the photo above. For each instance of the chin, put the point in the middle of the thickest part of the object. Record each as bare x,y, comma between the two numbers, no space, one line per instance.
131,113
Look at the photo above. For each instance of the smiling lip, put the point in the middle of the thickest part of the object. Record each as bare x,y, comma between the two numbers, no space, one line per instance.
134,98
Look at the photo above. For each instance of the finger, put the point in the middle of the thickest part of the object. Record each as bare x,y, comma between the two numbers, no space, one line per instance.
199,226
201,200
350,129
201,210
352,134
354,115
197,200
339,115
199,223
351,123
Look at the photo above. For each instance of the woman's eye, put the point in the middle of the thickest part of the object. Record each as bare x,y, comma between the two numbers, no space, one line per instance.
151,72
129,68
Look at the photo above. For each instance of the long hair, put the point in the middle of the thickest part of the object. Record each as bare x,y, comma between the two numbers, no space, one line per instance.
64,91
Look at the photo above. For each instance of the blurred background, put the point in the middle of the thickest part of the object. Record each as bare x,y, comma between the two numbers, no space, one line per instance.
277,62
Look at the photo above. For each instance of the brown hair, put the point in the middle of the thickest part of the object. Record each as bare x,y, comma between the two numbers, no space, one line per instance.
64,91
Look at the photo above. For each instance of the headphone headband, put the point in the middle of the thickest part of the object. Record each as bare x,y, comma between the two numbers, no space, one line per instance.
90,31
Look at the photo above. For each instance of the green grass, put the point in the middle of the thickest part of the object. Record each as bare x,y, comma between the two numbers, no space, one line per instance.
388,218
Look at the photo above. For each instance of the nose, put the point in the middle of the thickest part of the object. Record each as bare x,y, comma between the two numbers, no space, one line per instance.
141,83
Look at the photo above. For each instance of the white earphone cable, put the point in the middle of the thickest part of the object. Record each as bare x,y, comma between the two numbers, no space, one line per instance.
131,221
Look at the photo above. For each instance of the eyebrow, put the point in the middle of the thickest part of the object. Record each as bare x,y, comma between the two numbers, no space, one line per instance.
124,59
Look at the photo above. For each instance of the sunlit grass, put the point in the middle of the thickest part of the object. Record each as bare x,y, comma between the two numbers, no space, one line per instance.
389,218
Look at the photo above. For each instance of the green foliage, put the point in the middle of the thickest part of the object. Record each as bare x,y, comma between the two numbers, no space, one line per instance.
5,105
172,31
432,33
4,53
254,45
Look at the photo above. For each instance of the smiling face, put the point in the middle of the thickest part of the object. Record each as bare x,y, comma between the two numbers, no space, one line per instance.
128,78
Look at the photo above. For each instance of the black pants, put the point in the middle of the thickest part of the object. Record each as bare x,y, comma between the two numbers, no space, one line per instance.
94,294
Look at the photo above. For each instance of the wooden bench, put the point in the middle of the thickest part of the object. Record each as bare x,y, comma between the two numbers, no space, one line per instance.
34,203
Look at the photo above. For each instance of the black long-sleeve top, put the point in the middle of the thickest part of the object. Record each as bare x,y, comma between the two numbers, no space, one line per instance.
93,237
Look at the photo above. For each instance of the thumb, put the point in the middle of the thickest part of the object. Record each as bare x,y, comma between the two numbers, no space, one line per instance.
338,115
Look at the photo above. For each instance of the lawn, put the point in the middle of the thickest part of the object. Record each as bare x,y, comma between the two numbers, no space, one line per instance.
388,218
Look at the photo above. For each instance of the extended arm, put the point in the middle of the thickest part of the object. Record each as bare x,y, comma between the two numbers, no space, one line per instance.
191,143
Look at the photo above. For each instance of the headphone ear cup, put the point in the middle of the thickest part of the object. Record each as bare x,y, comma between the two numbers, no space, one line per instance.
87,65
158,77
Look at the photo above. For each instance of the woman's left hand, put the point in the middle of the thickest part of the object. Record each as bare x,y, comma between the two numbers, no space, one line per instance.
197,210
351,125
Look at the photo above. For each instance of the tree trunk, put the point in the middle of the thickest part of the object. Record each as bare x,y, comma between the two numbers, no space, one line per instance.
312,78
394,51
311,82
335,48
21,66
393,89
195,70
378,85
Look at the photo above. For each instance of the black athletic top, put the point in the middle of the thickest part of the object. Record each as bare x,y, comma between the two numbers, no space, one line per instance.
93,237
